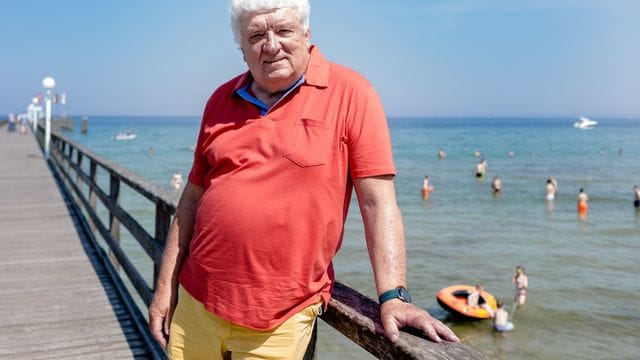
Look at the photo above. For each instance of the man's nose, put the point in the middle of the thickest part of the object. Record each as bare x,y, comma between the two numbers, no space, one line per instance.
271,45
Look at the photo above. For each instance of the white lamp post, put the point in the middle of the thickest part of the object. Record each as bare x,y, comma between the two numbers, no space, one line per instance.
48,84
33,114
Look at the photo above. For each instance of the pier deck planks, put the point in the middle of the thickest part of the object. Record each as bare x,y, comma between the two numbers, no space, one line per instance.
54,303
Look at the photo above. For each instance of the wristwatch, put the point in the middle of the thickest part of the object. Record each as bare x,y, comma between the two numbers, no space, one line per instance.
398,293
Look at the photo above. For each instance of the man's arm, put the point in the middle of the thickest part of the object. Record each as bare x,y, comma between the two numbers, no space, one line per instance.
385,243
175,250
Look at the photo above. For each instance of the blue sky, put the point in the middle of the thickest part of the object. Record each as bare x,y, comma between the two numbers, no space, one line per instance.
425,58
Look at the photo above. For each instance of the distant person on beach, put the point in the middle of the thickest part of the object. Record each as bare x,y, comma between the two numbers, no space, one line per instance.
441,154
427,188
582,202
176,181
247,265
636,199
481,168
501,321
496,184
551,189
521,282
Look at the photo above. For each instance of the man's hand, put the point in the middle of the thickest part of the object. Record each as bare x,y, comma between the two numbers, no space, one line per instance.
396,314
160,314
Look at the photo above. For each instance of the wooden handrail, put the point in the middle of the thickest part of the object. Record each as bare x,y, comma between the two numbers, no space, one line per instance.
353,314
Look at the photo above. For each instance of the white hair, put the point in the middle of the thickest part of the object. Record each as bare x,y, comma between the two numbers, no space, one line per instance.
238,7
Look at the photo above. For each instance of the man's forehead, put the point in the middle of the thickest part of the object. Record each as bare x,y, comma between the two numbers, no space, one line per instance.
259,19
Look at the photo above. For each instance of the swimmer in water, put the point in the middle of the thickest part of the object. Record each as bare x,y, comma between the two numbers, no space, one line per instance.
441,154
501,321
176,181
481,168
582,203
426,188
496,184
636,201
522,283
551,189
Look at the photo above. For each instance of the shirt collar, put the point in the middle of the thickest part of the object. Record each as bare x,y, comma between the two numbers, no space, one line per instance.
317,73
264,109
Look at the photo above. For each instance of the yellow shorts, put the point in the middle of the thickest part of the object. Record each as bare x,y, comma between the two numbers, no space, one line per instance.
196,333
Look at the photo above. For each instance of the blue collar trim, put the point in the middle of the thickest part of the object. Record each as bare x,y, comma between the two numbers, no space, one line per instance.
244,93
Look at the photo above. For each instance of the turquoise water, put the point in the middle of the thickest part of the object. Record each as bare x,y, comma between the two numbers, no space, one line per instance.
583,274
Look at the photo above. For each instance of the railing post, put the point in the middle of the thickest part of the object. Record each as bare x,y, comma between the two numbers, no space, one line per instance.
56,146
64,156
114,223
79,184
92,194
163,222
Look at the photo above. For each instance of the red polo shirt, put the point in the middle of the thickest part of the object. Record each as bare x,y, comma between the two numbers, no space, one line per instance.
277,192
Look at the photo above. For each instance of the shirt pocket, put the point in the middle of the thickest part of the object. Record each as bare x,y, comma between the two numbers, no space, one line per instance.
310,143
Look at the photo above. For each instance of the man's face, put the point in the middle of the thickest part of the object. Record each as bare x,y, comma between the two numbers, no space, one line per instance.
275,48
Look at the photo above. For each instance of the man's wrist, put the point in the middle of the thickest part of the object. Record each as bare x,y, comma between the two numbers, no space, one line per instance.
401,293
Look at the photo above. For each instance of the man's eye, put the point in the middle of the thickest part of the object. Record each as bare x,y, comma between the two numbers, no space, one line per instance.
285,31
256,36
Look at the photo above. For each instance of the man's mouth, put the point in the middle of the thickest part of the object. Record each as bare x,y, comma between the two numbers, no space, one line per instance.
273,61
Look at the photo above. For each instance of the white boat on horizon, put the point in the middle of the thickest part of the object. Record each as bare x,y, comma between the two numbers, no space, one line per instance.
127,135
585,123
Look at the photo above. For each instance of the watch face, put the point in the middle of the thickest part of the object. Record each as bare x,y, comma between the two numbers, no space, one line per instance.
404,295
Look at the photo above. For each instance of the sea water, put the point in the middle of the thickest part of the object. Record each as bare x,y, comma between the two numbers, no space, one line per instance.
584,284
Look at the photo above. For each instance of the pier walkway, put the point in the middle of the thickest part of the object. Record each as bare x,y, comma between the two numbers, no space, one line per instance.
57,298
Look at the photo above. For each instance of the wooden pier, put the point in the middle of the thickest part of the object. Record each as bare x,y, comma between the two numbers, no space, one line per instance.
57,298
60,296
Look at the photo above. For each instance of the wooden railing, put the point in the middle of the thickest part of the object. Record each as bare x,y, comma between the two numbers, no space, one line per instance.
353,314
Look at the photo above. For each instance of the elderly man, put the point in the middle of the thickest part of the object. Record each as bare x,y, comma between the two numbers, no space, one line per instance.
247,264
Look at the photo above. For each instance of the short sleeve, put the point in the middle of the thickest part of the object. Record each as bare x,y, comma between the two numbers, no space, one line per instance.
200,166
368,138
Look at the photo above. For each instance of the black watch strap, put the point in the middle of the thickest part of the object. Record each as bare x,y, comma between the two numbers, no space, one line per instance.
398,293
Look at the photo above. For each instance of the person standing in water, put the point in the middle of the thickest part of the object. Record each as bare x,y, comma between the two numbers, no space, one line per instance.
522,283
496,185
426,188
551,189
501,321
582,202
636,200
442,154
481,168
176,181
